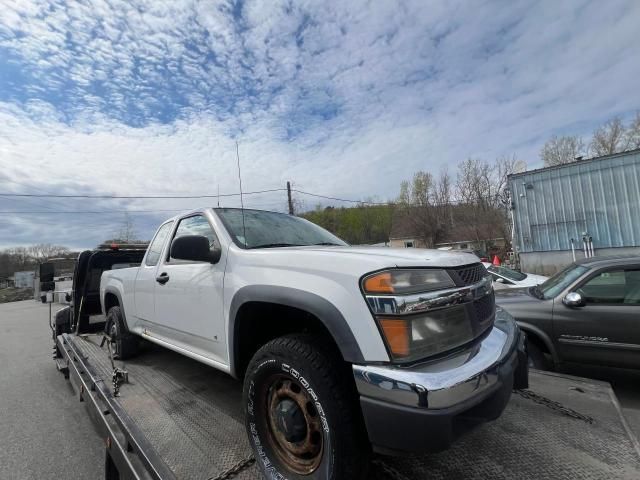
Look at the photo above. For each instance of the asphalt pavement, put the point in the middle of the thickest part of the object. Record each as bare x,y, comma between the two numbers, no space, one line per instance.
45,432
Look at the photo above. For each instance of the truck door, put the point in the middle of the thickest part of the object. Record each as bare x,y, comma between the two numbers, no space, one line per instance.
606,330
145,283
188,305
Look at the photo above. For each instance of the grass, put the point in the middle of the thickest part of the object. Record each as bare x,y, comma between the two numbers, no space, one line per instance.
13,294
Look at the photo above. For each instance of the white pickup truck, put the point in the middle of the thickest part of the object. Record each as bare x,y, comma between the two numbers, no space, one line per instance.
341,349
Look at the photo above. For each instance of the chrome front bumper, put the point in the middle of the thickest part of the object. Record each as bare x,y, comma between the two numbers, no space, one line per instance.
454,380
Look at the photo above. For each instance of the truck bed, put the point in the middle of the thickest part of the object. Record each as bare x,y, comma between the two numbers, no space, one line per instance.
177,418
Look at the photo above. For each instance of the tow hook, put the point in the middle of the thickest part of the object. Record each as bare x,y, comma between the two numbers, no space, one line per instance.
422,395
119,375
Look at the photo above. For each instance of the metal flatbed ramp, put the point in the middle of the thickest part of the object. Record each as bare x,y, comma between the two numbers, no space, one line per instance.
187,420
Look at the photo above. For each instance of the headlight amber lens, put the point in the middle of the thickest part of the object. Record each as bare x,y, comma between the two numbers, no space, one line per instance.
398,335
380,283
402,282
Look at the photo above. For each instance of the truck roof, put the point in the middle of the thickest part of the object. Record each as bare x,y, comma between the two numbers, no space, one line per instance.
609,260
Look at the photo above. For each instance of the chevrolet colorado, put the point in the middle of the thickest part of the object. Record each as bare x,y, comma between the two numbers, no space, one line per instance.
340,348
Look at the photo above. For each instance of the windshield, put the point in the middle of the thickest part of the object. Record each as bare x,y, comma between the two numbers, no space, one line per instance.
507,273
269,229
561,280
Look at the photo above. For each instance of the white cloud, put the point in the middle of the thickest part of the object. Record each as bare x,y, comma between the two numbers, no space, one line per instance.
344,99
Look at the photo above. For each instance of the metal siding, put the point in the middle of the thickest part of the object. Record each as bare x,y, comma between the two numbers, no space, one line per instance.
600,196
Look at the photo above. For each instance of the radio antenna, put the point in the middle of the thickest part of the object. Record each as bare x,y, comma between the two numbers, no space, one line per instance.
244,229
218,194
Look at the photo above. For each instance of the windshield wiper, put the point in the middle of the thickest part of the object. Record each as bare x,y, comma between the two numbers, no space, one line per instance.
275,245
328,243
536,292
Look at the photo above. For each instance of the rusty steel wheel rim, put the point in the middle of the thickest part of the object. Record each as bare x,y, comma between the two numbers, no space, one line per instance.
294,425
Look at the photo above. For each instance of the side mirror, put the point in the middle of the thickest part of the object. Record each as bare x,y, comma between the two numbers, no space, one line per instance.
194,248
573,299
67,297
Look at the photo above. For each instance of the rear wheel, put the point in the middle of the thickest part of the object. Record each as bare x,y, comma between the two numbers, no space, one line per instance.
123,344
301,413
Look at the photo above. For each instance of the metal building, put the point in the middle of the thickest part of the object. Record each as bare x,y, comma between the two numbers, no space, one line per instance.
592,203
24,279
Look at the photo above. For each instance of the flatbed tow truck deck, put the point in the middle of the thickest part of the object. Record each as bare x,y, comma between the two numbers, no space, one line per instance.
176,418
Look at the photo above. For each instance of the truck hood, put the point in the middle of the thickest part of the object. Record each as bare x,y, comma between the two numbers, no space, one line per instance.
523,306
512,295
399,257
352,260
533,279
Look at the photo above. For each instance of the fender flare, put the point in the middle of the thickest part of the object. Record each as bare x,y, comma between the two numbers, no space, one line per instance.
321,308
529,328
116,293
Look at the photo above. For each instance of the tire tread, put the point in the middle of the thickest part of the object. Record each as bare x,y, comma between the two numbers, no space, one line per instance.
333,372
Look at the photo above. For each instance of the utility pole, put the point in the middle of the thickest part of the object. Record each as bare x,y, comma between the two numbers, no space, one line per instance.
289,198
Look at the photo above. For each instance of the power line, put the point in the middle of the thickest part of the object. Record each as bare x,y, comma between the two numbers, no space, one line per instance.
140,196
451,202
90,212
339,199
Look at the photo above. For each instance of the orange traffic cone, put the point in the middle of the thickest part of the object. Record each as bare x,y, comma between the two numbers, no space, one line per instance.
496,261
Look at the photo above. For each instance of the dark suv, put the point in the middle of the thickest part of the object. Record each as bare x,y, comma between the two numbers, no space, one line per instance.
588,313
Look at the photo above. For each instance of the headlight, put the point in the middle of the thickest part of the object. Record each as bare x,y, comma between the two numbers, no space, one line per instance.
422,312
402,282
423,335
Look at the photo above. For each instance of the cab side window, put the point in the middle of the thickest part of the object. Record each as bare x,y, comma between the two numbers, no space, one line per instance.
613,287
196,225
155,247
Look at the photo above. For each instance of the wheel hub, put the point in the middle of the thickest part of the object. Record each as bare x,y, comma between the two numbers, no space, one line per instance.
294,426
290,421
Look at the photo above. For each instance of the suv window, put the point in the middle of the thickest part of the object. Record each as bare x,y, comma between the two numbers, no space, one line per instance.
561,280
613,287
507,272
504,280
155,247
196,225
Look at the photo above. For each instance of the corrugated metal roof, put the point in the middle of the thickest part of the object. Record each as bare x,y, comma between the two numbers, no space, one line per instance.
599,196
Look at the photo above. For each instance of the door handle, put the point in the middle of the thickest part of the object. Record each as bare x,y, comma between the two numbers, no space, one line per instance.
162,278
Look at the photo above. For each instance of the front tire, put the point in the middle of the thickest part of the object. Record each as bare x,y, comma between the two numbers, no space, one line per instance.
302,416
124,345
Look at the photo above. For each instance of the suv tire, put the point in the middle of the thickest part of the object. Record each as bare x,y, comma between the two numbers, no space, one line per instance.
537,358
123,344
302,413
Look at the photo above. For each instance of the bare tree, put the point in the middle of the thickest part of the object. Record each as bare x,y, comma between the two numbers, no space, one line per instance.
43,251
127,233
505,166
420,201
633,133
21,257
561,150
610,138
483,197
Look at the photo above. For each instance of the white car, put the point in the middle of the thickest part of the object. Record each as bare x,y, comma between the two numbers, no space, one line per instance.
341,349
505,277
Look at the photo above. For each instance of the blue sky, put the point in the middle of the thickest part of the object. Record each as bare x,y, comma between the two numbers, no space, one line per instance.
345,99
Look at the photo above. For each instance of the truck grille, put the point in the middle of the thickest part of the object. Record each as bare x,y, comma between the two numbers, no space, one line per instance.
484,308
468,275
